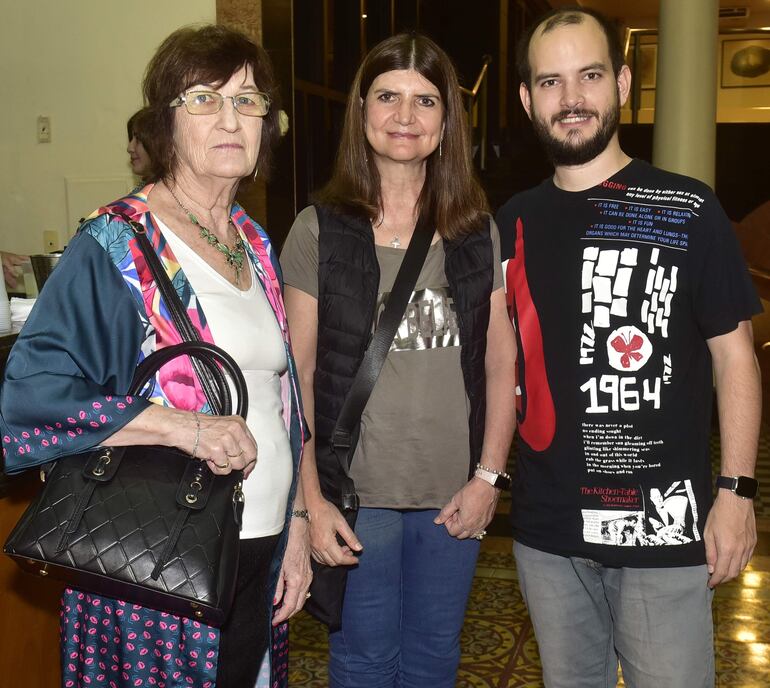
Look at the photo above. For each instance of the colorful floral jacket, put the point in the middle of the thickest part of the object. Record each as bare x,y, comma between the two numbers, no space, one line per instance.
65,391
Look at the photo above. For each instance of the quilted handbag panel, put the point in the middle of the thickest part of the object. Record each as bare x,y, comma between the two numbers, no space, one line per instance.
125,527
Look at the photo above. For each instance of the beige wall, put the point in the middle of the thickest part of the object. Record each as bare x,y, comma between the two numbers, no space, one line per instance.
81,64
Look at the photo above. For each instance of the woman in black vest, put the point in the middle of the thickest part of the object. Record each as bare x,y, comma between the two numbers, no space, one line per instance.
435,434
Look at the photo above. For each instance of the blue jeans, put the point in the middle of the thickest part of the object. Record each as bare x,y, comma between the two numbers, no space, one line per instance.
404,604
587,617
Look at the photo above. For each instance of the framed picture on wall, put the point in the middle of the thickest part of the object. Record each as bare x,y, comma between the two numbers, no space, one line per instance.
648,64
745,62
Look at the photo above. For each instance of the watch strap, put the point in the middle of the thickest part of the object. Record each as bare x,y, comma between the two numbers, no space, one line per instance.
741,485
502,481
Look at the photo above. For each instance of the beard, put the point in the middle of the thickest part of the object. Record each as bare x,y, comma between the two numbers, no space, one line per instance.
574,149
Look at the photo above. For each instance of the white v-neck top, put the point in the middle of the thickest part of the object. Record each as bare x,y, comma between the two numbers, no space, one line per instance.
244,325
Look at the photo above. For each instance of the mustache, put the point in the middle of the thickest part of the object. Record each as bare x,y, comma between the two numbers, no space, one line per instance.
573,113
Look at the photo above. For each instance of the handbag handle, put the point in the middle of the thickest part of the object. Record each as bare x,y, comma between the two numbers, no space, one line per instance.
212,388
211,357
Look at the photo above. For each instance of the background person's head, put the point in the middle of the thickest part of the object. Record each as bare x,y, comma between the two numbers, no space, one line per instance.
434,125
137,149
202,132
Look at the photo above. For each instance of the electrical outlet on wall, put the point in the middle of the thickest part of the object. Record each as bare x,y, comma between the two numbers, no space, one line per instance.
43,129
51,241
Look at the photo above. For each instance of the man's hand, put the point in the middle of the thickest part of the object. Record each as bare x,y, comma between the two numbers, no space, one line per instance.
730,536
470,510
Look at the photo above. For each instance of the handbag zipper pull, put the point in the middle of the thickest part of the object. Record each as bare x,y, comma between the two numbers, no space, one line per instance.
238,502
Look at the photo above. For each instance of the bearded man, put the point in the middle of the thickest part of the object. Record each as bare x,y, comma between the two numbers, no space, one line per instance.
625,284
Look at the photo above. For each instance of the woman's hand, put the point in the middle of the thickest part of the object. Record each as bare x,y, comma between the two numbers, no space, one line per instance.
223,442
296,574
470,510
326,522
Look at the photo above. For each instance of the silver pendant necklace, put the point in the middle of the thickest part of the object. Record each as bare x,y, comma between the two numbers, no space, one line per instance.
395,242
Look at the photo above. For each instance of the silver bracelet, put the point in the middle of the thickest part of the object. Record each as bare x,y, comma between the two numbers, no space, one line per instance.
492,470
301,513
197,434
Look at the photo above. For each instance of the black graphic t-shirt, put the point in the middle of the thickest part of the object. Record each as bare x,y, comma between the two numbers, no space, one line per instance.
614,292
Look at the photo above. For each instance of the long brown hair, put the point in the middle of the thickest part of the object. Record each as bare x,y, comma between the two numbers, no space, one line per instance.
451,194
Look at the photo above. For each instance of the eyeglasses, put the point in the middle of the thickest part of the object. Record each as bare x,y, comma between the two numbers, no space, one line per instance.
251,104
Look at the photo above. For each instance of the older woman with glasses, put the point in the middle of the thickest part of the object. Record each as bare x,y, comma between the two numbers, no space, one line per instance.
209,94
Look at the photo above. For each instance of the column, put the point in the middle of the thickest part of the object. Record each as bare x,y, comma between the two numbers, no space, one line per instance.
684,139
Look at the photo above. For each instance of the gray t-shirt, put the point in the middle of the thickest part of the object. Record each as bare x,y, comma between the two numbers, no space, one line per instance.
413,450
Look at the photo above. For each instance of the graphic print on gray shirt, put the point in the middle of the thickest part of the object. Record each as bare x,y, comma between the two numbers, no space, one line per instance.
413,449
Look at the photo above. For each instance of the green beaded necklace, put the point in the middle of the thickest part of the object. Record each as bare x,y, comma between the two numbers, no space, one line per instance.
233,256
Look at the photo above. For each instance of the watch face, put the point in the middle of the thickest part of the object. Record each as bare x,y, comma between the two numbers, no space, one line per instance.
502,482
746,487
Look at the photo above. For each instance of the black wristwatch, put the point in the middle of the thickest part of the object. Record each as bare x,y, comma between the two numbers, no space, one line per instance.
741,485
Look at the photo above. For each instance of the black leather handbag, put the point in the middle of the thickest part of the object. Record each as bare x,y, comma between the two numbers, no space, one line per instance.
328,586
145,524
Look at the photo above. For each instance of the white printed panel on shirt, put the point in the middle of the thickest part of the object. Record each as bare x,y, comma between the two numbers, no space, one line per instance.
666,517
605,279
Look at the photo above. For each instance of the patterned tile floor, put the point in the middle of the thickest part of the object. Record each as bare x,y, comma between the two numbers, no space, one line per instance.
499,649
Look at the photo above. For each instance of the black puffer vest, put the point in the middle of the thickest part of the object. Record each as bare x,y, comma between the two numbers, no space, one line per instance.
348,280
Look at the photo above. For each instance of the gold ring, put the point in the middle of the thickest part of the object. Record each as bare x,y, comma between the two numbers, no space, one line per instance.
223,465
234,456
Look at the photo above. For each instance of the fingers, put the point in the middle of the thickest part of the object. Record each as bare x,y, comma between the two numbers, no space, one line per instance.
729,562
449,509
725,570
334,554
291,601
729,538
455,527
711,551
347,534
465,522
332,540
249,468
747,554
278,590
295,576
224,442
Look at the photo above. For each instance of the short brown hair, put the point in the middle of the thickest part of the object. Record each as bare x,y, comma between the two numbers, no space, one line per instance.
210,54
451,194
564,16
